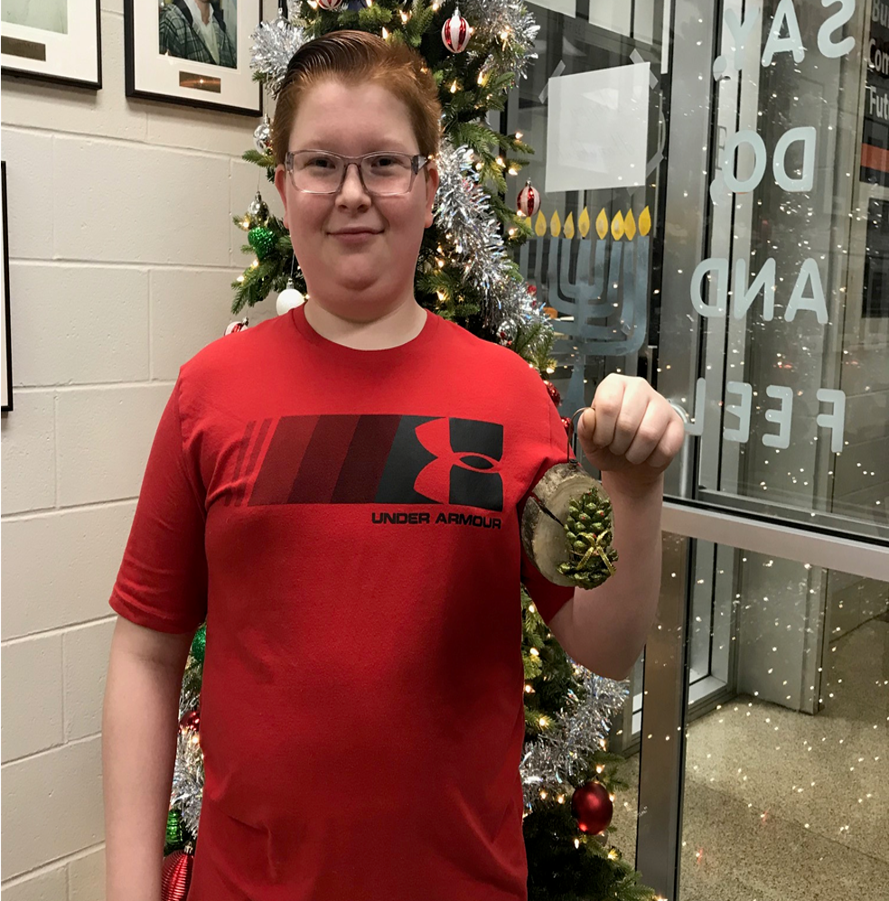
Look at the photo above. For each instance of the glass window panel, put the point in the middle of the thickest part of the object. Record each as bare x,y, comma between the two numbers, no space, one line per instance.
788,290
785,779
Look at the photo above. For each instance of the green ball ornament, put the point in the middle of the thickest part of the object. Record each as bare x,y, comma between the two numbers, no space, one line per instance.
199,644
262,240
175,837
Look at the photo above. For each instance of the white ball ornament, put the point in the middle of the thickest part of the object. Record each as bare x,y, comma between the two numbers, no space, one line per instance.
289,299
456,32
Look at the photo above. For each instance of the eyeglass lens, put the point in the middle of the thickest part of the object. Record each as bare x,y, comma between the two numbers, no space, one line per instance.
323,173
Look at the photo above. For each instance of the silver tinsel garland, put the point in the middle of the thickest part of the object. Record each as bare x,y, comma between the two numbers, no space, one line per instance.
274,43
465,218
188,773
510,27
552,760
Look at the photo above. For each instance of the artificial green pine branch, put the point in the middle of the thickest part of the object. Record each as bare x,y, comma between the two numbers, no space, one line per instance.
265,160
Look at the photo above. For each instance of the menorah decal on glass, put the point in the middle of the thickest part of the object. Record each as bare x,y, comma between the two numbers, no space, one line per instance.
600,284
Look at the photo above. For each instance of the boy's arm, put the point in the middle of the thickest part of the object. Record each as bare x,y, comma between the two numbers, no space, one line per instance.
604,628
630,433
139,728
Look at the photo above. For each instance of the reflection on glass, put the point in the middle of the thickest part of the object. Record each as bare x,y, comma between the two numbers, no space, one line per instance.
593,109
785,779
793,395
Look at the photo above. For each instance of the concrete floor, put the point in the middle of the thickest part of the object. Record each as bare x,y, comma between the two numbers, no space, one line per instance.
781,806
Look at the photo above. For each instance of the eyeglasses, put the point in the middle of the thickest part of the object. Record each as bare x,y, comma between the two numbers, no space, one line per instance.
382,173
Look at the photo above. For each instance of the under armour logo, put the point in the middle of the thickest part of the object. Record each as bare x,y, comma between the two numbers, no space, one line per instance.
466,468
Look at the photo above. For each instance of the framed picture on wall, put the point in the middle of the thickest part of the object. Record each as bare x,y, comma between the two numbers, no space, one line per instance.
52,40
192,52
5,338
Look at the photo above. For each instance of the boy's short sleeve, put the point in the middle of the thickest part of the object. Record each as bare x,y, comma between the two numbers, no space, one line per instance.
550,447
162,581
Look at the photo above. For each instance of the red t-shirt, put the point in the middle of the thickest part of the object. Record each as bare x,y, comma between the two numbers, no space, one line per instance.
348,523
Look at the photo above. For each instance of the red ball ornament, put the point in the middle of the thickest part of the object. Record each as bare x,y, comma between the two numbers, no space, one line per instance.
236,327
191,720
555,397
528,201
329,4
569,427
592,808
176,877
456,32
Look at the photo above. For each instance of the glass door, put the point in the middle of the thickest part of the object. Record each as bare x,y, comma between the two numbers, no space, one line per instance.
714,217
772,344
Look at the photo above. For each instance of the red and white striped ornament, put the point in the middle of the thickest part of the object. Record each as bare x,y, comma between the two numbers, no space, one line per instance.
236,326
528,201
456,32
329,4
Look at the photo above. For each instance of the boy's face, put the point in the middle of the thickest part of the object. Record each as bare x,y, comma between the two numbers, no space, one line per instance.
355,274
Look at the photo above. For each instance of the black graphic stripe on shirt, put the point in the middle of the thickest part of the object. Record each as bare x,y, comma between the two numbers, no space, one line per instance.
384,459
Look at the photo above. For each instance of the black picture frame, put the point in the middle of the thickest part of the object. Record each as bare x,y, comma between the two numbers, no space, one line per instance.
72,58
6,337
151,75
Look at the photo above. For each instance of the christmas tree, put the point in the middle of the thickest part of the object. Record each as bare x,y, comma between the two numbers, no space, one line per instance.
465,274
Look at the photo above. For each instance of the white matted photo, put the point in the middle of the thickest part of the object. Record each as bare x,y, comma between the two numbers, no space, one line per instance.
5,337
52,40
193,52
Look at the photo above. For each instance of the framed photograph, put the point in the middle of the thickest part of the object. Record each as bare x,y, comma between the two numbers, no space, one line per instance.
193,52
52,40
5,340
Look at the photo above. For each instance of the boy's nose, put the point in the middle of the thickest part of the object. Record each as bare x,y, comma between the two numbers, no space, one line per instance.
353,188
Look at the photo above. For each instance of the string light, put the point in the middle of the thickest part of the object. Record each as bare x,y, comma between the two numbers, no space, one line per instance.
385,34
454,88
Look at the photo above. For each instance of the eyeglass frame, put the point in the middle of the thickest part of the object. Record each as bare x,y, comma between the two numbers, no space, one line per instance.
418,161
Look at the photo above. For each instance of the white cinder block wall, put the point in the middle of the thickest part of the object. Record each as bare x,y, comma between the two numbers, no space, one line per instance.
122,252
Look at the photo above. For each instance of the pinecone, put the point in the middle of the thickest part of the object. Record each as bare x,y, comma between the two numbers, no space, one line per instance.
589,532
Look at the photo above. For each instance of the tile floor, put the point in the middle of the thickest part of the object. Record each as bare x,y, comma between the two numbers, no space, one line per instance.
781,806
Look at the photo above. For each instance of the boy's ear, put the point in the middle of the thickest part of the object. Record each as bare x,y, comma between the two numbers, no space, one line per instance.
281,185
432,179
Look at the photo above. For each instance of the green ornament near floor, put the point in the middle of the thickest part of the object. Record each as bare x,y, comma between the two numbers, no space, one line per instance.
262,240
199,644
